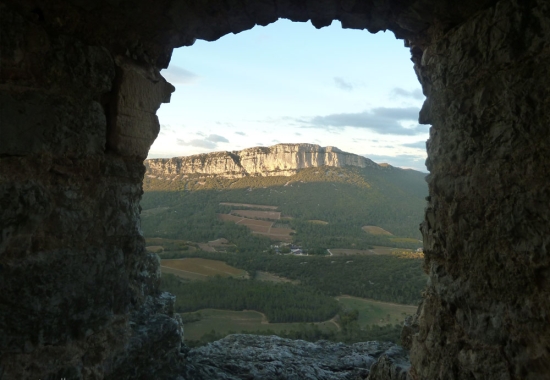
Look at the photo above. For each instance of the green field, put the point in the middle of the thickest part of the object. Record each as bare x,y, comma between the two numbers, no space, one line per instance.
375,312
200,269
168,245
226,321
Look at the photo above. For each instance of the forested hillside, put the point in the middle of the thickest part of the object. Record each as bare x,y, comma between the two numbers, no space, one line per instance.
348,198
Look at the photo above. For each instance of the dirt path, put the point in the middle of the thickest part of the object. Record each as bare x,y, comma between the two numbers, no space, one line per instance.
185,271
264,317
221,271
335,324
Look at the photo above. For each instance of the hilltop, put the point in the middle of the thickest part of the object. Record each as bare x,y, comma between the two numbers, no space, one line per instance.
276,160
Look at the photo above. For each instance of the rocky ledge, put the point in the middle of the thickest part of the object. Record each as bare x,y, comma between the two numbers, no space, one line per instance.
281,159
243,356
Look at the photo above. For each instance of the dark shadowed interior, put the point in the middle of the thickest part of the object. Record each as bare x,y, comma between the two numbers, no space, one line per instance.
80,85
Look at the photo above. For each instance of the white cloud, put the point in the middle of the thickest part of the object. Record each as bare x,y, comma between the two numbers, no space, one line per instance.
408,161
417,145
217,138
343,84
400,92
198,143
178,75
382,120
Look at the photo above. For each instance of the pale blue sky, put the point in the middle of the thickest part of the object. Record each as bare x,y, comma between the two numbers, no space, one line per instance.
291,83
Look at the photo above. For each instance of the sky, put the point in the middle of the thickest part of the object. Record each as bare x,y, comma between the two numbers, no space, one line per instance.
291,83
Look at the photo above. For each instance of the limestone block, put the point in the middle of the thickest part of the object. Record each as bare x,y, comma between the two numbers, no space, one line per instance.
134,125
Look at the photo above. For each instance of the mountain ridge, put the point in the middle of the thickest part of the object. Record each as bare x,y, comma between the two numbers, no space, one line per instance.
276,160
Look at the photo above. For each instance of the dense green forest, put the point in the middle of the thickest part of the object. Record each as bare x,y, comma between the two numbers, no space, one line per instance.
279,302
380,277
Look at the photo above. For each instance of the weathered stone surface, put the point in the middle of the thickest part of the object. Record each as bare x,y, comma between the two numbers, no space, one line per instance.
280,159
392,365
76,280
79,87
485,313
139,94
270,357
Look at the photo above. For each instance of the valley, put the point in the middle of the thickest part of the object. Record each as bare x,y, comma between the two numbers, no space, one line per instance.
322,252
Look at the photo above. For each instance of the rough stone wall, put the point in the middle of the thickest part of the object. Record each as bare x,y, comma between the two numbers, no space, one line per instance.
79,87
77,287
487,229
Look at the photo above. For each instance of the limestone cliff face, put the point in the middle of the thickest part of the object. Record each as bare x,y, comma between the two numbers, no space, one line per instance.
280,159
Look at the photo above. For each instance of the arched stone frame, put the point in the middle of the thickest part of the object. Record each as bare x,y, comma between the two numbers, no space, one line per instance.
80,85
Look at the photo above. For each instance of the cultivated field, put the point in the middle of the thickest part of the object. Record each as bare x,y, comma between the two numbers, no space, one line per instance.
376,312
230,218
381,250
374,230
348,252
267,207
316,221
262,227
376,250
266,276
226,321
406,240
253,222
162,245
271,215
200,269
154,248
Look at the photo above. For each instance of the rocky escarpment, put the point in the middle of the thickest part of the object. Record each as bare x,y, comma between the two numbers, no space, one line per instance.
270,357
280,159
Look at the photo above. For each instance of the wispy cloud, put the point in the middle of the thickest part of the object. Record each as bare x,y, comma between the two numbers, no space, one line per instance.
240,133
178,75
386,121
217,138
401,92
210,142
198,143
343,84
417,145
402,160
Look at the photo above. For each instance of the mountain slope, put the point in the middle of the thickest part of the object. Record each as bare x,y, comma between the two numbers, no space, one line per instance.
184,204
